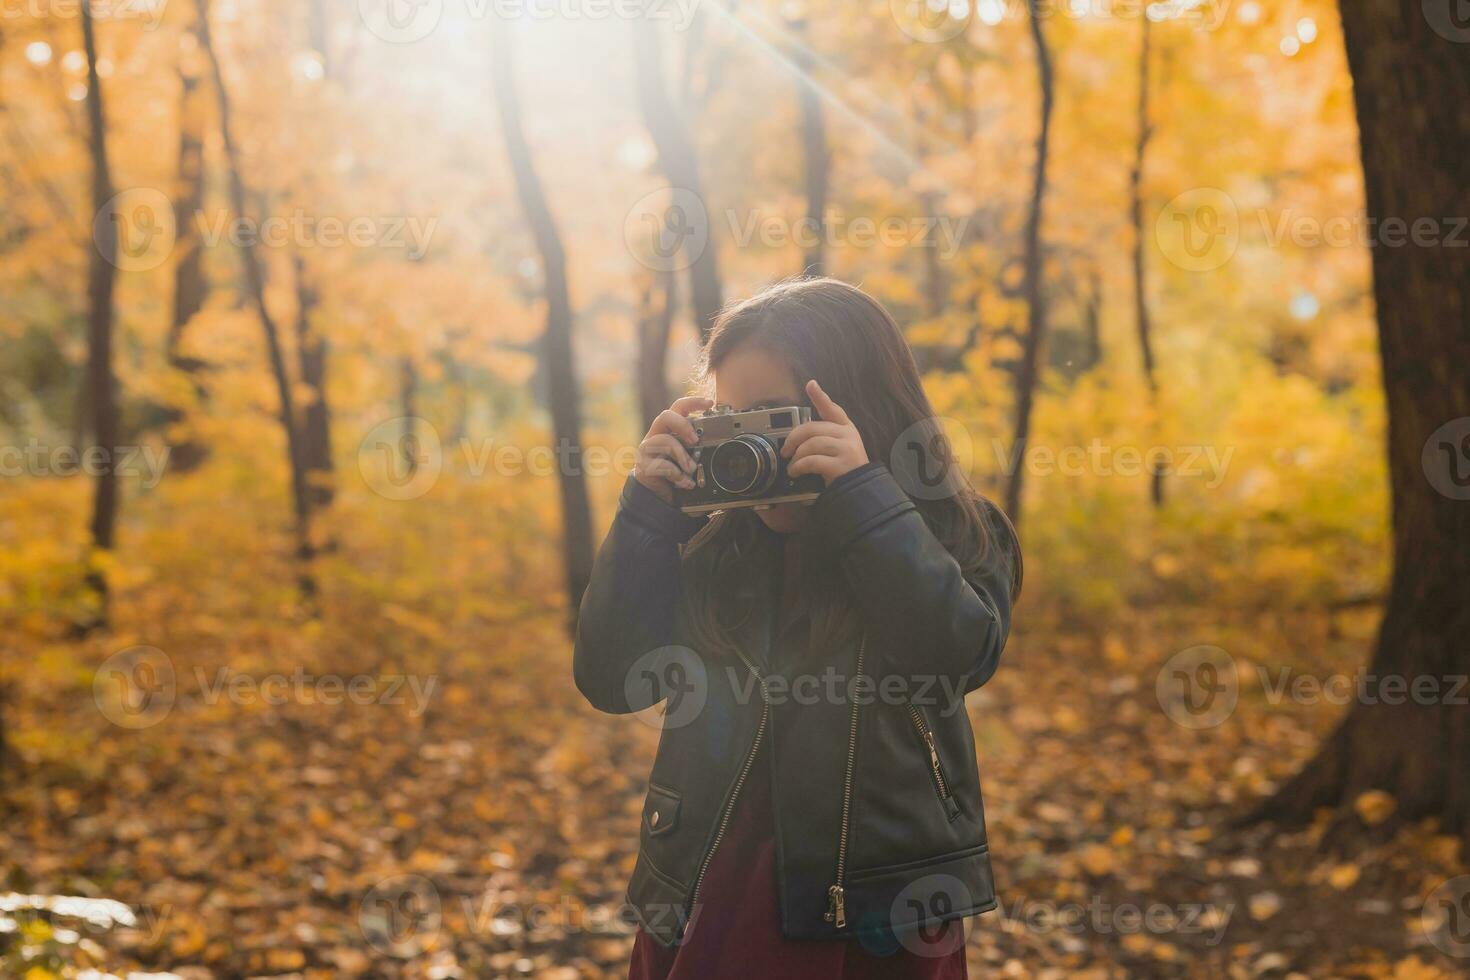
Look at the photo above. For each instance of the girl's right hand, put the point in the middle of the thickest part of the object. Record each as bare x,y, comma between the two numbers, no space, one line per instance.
663,456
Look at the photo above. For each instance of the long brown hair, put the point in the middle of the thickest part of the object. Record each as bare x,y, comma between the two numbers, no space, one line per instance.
839,335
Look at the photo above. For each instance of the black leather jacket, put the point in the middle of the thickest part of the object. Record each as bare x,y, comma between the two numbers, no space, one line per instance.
878,818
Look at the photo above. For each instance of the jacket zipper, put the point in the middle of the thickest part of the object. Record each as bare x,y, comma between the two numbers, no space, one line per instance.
936,772
836,897
755,744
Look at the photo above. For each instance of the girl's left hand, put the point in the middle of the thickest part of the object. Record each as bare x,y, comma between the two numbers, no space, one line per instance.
830,447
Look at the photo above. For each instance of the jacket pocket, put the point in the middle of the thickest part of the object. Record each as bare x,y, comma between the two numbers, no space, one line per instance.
937,777
660,810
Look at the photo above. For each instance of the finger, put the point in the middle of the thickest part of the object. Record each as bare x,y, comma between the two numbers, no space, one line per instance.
805,431
692,403
819,446
671,421
829,410
665,469
668,447
814,463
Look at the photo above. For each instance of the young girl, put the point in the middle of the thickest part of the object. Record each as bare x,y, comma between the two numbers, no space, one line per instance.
814,809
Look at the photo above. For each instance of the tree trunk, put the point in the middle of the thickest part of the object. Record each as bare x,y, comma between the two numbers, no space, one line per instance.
459,394
316,416
936,283
101,274
311,345
1092,319
655,322
1027,373
679,161
255,285
408,400
189,283
1135,194
557,354
816,159
1140,268
1411,86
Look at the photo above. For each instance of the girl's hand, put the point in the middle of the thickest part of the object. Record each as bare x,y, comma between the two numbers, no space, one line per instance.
828,448
663,457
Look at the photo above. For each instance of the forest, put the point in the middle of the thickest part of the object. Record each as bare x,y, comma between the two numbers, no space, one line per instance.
329,331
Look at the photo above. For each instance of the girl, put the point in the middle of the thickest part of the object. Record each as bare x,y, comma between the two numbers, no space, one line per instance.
814,809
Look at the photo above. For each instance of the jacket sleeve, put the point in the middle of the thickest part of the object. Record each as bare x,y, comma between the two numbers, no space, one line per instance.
925,618
628,608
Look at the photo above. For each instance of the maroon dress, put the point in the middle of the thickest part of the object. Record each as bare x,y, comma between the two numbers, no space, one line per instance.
737,933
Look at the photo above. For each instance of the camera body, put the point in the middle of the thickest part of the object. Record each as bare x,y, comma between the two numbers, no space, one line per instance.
738,462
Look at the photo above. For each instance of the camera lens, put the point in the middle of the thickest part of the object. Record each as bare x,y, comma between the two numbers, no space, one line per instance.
746,465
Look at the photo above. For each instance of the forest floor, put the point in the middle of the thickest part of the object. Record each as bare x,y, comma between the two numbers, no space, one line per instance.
484,823
408,785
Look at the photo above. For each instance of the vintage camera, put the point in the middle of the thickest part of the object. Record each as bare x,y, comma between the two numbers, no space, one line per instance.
737,461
